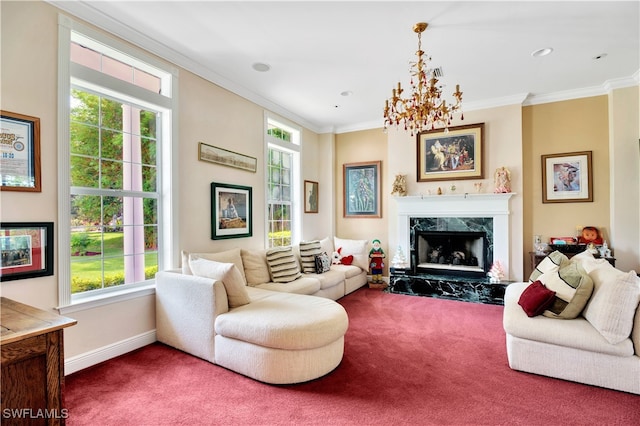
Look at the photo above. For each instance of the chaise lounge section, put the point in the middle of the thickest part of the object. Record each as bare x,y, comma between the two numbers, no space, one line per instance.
274,332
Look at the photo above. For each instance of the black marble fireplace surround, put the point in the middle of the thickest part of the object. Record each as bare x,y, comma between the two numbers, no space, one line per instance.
447,278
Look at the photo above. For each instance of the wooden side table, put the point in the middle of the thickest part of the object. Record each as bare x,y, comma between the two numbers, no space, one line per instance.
32,355
537,258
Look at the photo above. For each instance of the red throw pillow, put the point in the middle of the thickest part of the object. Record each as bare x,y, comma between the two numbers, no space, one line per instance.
536,298
347,260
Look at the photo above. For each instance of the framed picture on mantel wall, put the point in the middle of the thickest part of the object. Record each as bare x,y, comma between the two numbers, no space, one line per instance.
450,155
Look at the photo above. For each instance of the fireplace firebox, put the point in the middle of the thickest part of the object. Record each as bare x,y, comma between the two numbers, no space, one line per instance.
461,253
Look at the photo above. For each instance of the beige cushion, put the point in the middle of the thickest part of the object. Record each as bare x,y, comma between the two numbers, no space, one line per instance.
308,251
228,273
227,256
551,263
613,305
326,246
357,248
306,284
285,321
255,266
573,287
283,265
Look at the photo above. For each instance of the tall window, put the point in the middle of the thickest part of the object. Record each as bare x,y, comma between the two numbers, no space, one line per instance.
283,146
119,125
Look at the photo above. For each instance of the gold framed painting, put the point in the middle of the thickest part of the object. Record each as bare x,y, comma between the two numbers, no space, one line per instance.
450,155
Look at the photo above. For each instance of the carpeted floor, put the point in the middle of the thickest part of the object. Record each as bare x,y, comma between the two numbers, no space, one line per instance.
408,360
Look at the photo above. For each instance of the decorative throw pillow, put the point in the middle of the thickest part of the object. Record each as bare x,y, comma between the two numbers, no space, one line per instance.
308,251
256,269
283,265
573,288
228,273
355,248
323,263
227,256
613,305
551,263
536,298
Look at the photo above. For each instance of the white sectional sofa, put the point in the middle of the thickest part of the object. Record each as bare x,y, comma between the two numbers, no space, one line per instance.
600,347
282,333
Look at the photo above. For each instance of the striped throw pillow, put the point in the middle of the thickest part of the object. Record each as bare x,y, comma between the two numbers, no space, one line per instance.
283,265
308,252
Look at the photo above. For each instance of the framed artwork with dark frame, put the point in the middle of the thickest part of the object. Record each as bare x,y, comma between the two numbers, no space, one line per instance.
310,196
361,187
450,155
19,152
231,214
26,249
567,178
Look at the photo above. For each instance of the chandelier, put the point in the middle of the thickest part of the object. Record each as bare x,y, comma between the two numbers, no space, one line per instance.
424,109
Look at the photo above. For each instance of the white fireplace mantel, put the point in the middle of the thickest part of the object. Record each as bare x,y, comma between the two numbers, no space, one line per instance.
495,206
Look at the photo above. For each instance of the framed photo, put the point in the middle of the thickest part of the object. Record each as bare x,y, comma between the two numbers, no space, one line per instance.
216,155
567,178
310,196
362,189
19,152
27,250
456,154
230,211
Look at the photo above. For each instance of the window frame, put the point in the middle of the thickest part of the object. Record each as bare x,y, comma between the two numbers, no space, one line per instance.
293,147
72,75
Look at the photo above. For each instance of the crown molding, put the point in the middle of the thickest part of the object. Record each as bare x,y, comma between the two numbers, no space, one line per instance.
84,10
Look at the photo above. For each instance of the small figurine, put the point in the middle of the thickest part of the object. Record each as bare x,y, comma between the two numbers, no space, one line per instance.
400,186
376,263
399,261
502,178
496,273
589,235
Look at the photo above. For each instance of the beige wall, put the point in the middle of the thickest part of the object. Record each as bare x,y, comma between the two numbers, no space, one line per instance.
354,147
206,113
564,127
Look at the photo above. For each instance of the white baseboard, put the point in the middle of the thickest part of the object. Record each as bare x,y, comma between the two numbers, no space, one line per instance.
96,356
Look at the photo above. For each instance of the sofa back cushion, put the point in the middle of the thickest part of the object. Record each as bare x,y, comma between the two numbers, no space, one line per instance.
308,251
255,266
613,305
283,265
355,248
228,256
228,273
573,288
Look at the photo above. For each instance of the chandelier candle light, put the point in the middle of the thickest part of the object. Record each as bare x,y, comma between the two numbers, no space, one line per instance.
424,109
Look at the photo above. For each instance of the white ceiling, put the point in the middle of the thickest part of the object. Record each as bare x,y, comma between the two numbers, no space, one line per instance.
317,50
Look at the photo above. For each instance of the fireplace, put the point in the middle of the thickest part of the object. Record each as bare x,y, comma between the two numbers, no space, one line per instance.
464,213
453,252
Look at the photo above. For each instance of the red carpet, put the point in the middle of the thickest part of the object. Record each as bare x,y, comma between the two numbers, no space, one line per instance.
408,360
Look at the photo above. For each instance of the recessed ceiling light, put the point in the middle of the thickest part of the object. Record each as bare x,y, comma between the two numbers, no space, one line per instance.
346,93
261,67
600,56
541,52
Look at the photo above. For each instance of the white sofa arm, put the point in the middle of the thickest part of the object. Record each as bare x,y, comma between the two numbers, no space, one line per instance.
186,309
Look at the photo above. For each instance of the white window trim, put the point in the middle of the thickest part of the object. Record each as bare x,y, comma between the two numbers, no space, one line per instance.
168,257
294,147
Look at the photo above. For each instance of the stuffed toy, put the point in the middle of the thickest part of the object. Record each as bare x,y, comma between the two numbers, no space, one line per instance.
590,234
338,259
